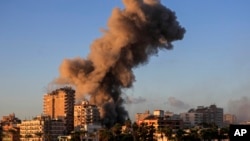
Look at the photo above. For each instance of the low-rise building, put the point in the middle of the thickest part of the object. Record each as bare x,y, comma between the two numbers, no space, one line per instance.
159,120
139,117
86,114
41,128
10,128
229,119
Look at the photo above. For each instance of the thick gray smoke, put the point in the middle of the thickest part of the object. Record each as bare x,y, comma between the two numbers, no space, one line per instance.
133,35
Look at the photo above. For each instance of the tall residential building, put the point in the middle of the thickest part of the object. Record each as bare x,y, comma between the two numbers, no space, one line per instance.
86,114
59,104
211,114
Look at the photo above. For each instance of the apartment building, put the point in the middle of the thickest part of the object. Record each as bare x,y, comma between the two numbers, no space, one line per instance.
86,114
160,120
10,128
41,128
59,104
191,118
229,119
139,117
211,114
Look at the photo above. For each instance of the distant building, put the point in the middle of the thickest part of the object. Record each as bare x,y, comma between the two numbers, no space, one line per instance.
160,120
191,118
59,104
10,128
41,128
211,114
139,117
86,114
229,119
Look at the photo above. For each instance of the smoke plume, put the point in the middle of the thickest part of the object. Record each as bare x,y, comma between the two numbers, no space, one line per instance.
132,36
239,108
172,101
134,100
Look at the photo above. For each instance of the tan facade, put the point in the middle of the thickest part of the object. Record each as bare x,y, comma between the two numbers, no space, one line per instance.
32,129
41,128
229,119
59,104
85,114
139,117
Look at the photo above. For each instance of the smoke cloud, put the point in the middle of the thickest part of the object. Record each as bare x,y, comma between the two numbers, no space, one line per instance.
172,101
133,35
240,108
134,100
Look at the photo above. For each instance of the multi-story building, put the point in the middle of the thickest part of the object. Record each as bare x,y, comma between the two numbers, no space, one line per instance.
86,114
41,128
139,117
59,104
229,119
159,120
9,128
191,118
211,114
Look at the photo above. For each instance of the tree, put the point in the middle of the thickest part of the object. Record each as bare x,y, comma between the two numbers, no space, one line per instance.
117,130
179,134
105,135
191,135
168,132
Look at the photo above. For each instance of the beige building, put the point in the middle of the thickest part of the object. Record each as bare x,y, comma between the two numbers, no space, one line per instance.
229,119
139,117
86,114
59,104
41,128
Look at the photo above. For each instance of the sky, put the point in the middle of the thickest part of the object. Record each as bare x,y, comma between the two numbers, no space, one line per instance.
209,66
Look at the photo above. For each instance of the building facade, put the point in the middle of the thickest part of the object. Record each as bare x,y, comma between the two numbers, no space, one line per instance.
59,104
211,114
229,119
10,128
160,120
191,119
139,117
86,114
41,128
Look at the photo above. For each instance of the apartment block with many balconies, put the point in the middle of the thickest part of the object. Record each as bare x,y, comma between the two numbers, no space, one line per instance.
59,104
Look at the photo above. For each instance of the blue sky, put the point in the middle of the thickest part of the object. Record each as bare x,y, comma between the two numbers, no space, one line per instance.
209,66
